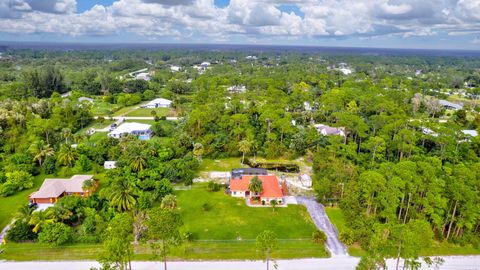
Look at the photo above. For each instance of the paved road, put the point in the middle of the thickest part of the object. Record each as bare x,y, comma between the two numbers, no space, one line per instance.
137,118
320,218
337,263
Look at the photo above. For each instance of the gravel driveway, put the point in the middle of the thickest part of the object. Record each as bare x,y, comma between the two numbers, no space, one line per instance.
320,218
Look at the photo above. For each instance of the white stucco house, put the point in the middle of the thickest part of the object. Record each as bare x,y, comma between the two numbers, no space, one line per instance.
158,103
143,76
328,130
108,165
143,131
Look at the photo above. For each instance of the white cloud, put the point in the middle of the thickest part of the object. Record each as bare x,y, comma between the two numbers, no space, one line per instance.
251,19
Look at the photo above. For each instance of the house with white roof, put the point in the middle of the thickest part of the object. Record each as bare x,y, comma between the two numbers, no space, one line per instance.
110,164
158,103
470,132
143,131
143,76
175,68
237,89
328,130
450,105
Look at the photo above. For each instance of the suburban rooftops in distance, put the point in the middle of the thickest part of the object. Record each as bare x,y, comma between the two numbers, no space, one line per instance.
238,173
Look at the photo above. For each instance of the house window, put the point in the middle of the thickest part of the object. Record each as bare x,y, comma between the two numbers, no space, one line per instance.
234,193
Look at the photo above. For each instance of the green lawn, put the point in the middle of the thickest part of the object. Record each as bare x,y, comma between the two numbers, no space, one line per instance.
145,112
337,218
215,233
10,204
103,108
197,250
224,164
228,218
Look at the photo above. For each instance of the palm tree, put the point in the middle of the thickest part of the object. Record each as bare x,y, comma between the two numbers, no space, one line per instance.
67,155
245,146
24,213
121,195
67,133
137,163
40,219
40,150
255,186
274,204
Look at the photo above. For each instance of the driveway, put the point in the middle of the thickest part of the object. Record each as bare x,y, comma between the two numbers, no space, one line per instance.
320,218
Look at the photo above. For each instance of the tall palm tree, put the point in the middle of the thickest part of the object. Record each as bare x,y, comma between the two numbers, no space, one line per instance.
122,194
245,146
40,150
138,162
67,155
24,213
41,218
67,133
255,186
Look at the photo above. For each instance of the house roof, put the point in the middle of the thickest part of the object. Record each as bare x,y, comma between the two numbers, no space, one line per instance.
237,173
53,188
159,101
129,128
450,104
271,188
328,130
470,132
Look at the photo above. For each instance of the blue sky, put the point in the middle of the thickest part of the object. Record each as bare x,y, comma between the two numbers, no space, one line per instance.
438,24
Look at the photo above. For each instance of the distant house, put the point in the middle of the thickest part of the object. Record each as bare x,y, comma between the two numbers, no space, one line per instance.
143,76
82,99
143,131
158,103
428,131
329,131
450,105
307,106
272,190
238,173
108,165
251,57
470,132
237,89
53,189
175,68
205,64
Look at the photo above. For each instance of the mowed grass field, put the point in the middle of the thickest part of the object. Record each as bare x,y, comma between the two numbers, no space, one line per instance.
9,205
145,112
223,228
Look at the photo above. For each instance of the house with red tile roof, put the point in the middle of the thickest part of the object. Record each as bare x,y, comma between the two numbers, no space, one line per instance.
272,190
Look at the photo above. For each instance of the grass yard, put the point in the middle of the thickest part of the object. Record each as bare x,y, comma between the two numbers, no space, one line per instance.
223,164
197,250
226,218
145,112
10,204
215,232
337,218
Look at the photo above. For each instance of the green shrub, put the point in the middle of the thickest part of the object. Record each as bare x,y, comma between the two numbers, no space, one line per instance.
55,234
347,237
319,237
213,186
20,231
